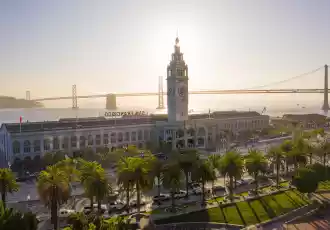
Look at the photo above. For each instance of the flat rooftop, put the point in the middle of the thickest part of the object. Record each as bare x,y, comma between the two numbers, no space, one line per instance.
90,122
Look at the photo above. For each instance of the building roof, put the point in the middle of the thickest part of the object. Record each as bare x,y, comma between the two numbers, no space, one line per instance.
312,116
92,122
75,123
226,114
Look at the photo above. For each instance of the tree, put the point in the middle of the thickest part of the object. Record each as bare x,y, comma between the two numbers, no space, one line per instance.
140,169
78,221
231,165
186,160
17,166
94,182
124,179
203,172
7,184
275,155
12,220
58,156
287,147
172,180
47,159
53,189
256,164
306,180
88,154
324,151
157,170
214,160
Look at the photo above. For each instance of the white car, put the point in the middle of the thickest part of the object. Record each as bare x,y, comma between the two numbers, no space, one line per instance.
180,194
161,197
64,213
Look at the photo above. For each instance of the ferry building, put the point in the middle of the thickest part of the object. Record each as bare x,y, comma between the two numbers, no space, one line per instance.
178,128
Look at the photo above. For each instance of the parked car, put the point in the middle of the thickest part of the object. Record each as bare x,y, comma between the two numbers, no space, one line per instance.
218,188
64,213
116,205
180,194
161,197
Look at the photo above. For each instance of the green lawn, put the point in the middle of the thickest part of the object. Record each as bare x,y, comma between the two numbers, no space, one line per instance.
244,212
324,185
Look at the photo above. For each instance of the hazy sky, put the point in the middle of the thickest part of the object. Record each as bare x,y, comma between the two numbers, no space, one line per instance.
123,46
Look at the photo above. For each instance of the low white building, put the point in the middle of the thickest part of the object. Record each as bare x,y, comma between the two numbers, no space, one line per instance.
33,139
179,129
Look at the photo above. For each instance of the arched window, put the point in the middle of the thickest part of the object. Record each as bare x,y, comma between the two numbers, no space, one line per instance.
133,137
90,140
120,137
105,139
140,135
36,145
146,135
56,144
126,138
82,142
98,139
46,144
16,147
27,146
65,144
73,141
113,138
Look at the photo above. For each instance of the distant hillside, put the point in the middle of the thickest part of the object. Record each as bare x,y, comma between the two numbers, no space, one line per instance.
13,103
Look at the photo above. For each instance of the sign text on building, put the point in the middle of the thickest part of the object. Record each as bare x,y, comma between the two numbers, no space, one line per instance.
122,114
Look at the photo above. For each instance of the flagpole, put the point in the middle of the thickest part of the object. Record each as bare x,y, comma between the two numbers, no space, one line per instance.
20,124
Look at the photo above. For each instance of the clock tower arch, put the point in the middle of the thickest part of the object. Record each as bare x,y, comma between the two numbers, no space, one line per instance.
177,86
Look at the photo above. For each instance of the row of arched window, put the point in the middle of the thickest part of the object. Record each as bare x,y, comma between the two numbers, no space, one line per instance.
83,141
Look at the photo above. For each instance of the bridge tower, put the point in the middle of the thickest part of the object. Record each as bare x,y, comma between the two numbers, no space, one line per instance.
111,102
27,95
160,93
177,86
74,97
325,106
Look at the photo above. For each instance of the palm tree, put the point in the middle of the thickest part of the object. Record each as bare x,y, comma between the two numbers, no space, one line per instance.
231,165
95,183
323,151
186,160
157,170
140,169
124,179
214,160
287,147
256,164
70,167
203,172
275,155
7,184
172,180
53,189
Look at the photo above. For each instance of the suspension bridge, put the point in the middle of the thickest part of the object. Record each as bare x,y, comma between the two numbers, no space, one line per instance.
111,98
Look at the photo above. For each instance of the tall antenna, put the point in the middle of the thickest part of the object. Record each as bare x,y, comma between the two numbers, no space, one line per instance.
160,94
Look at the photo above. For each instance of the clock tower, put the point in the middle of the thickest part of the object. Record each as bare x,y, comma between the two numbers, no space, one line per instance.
177,86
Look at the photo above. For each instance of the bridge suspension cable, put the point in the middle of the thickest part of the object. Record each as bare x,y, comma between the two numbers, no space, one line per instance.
286,80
